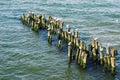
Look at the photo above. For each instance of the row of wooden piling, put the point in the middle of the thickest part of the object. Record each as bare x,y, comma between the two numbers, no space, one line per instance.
78,50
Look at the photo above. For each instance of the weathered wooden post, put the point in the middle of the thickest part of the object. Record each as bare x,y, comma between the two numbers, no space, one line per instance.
63,35
66,35
77,55
43,21
28,21
69,52
61,24
84,46
101,54
108,62
76,33
36,28
94,54
49,37
84,60
113,65
108,49
69,37
49,19
32,15
59,44
68,28
72,37
82,56
59,34
32,26
105,61
92,44
76,40
23,18
113,52
96,45
54,26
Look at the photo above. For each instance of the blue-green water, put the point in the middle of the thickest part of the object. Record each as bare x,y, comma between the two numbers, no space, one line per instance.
26,55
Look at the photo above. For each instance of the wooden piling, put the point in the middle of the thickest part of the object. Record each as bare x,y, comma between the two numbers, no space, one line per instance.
82,57
66,35
68,28
49,37
108,62
101,54
59,44
23,18
77,42
49,19
72,37
108,49
96,45
94,54
43,21
69,52
113,65
76,33
77,55
84,60
113,52
32,26
105,61
69,37
59,34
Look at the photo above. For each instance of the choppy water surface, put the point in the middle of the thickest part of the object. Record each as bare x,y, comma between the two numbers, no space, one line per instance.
26,55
